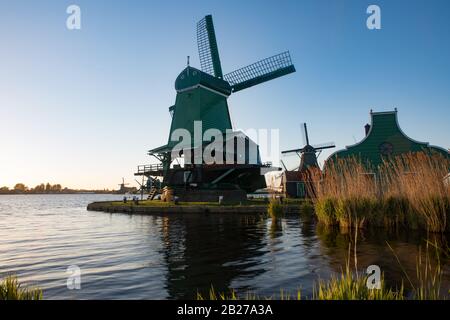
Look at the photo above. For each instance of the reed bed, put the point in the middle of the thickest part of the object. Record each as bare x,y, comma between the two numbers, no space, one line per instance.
408,190
306,208
351,286
11,289
275,208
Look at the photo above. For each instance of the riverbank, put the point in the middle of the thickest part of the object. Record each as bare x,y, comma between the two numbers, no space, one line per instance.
157,207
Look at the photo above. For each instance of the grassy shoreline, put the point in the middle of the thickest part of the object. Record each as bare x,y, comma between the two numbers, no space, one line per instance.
407,191
158,207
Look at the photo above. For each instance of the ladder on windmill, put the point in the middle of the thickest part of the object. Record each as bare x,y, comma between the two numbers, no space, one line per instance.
152,193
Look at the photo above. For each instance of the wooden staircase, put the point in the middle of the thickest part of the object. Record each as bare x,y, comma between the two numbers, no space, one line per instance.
152,193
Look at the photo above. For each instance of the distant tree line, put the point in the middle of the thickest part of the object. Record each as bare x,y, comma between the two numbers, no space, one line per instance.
42,188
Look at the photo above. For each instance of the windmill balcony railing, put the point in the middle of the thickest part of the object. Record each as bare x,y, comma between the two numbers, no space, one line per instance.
159,167
149,168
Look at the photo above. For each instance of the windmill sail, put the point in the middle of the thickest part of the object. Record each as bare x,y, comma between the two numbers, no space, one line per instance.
207,47
305,134
292,151
326,145
261,71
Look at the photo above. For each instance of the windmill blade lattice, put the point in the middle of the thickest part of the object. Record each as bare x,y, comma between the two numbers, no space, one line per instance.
261,71
207,47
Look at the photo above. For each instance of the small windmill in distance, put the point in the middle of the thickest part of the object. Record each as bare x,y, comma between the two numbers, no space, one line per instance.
298,183
123,187
308,153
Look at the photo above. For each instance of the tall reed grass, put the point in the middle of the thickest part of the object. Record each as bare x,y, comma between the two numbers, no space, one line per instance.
275,208
351,286
306,208
11,289
406,190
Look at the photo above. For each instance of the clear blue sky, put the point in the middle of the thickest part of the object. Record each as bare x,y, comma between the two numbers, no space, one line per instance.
81,108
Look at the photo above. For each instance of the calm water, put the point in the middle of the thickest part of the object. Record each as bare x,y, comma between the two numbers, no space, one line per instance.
145,257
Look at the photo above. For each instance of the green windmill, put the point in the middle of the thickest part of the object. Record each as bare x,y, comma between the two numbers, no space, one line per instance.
202,98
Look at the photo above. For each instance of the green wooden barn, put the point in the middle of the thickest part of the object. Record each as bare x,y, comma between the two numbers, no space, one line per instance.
384,138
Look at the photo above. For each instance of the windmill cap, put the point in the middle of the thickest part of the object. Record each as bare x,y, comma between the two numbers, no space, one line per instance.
192,78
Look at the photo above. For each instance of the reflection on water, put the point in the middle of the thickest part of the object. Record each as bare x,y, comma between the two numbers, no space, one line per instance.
147,257
382,247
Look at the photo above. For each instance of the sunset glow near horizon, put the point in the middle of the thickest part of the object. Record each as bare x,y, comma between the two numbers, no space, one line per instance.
82,107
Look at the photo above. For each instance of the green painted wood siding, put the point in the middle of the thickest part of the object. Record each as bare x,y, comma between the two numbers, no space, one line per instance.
200,104
384,130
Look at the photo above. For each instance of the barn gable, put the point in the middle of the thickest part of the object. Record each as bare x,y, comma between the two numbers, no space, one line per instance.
384,138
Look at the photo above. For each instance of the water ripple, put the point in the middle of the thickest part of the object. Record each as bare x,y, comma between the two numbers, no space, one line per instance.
145,257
